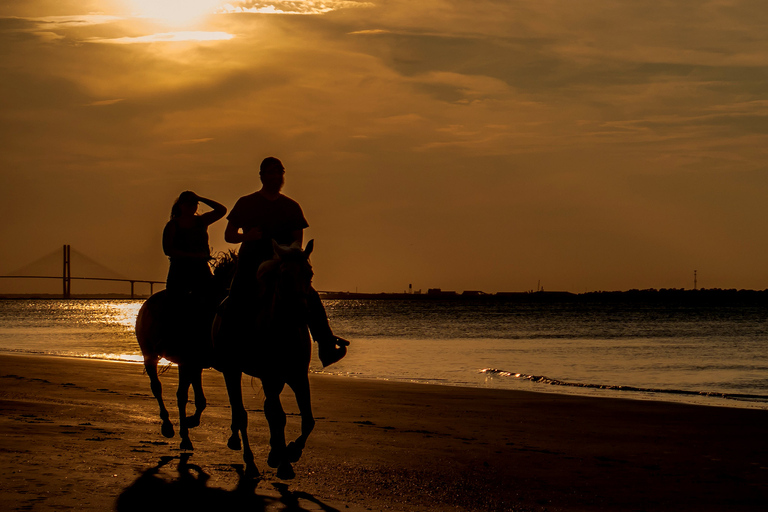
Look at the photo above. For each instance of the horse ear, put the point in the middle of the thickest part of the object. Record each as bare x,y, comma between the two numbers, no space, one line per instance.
309,247
279,250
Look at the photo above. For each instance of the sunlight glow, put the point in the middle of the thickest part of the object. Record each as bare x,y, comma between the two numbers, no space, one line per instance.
175,12
169,37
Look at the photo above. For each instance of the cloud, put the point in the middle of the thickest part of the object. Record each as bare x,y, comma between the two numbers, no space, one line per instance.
102,103
49,36
166,37
188,142
43,23
290,7
370,32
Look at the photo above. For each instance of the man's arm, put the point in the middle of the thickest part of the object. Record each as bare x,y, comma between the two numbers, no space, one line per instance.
233,234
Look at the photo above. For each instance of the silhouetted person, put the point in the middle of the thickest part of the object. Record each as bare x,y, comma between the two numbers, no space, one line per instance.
185,242
254,222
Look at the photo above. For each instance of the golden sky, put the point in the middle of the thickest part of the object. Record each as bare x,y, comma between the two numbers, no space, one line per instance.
460,144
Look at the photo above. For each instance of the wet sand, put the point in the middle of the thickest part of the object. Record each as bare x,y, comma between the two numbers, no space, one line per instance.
85,435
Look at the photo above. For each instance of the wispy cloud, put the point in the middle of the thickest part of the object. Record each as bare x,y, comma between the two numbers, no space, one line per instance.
289,6
188,142
167,37
59,22
48,36
370,32
103,103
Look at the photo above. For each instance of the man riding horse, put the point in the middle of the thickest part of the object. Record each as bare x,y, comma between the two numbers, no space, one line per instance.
254,222
261,328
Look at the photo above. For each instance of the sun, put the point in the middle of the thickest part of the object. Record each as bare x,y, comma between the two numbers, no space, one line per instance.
175,12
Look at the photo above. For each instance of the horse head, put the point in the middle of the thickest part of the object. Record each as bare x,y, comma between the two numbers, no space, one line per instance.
293,280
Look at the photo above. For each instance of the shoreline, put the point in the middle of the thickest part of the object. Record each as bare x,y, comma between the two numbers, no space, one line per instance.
85,434
544,385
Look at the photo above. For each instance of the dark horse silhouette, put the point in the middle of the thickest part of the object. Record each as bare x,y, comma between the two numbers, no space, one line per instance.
177,327
273,345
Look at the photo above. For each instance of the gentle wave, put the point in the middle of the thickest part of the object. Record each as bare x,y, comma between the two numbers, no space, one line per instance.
541,379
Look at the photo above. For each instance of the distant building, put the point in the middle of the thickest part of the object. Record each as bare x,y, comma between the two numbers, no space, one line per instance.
439,292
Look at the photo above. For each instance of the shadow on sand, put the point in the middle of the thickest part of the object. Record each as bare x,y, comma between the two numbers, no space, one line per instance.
151,492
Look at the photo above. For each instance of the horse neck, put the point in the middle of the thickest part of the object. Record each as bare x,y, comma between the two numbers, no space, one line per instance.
286,301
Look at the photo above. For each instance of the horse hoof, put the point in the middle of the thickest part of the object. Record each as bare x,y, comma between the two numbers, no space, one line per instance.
192,421
167,429
234,443
293,452
275,458
285,472
186,444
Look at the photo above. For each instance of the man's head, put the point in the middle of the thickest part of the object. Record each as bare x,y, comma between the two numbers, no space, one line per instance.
271,172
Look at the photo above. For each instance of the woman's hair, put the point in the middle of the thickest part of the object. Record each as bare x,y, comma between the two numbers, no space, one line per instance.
185,197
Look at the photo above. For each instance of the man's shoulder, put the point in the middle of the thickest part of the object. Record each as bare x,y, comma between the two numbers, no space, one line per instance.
259,202
248,201
250,197
257,196
287,200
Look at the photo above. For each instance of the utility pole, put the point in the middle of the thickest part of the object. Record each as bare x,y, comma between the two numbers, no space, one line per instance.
694,280
66,276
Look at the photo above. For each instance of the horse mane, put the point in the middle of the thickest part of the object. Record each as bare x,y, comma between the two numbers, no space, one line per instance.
224,264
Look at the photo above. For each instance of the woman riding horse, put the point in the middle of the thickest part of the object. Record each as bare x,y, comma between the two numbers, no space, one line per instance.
175,323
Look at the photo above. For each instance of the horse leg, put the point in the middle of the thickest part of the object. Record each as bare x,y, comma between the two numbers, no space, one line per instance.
196,378
232,380
300,388
273,410
150,365
239,421
182,396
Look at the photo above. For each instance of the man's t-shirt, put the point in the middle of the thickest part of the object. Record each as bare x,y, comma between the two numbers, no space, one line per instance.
277,219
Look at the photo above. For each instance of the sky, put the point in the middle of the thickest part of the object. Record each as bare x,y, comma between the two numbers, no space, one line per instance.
493,145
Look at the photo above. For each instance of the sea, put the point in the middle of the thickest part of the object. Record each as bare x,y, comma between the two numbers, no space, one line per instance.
713,355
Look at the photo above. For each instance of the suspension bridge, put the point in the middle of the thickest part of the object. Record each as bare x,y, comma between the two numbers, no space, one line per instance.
43,265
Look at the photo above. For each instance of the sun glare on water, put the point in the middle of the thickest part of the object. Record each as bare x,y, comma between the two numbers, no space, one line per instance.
175,12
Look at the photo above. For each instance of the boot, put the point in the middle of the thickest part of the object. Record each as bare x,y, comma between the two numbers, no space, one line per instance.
331,350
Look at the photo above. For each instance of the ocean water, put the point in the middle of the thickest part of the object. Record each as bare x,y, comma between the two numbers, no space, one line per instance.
712,355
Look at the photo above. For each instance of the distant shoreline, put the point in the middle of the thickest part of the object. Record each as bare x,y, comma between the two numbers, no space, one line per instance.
666,295
648,295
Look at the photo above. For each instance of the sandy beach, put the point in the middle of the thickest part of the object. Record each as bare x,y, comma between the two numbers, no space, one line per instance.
85,435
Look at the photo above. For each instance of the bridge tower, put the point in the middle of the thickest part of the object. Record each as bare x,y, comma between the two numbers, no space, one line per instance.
67,272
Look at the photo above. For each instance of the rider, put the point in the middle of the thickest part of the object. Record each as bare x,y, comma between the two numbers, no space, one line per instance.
254,222
185,242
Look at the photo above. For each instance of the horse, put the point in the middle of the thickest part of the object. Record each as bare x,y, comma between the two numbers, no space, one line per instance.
177,327
273,345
